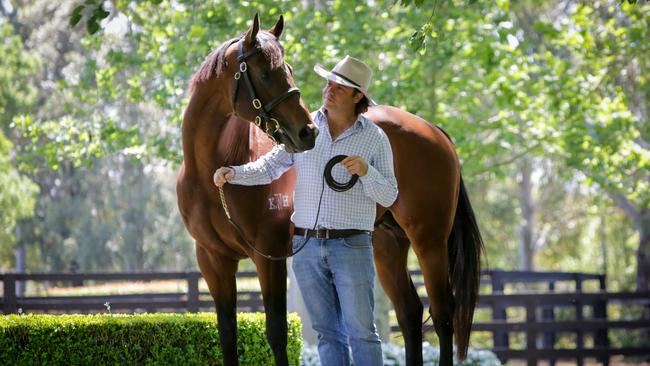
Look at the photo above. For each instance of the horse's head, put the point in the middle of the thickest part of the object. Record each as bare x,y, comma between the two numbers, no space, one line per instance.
263,89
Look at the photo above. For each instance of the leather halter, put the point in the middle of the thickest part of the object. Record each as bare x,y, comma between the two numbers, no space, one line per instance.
270,125
263,118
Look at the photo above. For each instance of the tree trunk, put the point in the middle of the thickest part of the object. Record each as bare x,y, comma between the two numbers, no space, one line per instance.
20,260
641,220
527,226
643,253
432,99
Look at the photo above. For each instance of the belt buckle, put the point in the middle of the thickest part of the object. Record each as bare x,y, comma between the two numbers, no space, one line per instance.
321,233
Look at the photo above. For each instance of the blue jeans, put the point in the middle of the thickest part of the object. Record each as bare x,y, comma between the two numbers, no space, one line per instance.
335,277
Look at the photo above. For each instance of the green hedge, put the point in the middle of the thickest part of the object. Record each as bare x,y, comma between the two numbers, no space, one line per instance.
147,339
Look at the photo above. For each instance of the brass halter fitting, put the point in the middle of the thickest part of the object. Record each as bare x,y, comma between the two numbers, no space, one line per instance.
269,129
264,120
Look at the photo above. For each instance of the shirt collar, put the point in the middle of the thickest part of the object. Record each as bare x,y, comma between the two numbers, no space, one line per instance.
321,118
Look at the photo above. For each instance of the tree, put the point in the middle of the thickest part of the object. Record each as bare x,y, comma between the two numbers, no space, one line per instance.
606,129
16,95
16,201
81,212
569,84
560,84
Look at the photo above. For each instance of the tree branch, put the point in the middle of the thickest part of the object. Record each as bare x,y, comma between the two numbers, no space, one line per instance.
644,144
510,160
627,207
12,16
3,10
549,229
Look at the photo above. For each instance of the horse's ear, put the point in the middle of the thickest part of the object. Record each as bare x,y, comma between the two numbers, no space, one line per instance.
278,27
251,35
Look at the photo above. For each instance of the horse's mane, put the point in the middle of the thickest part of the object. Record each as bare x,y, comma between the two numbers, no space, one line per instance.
215,64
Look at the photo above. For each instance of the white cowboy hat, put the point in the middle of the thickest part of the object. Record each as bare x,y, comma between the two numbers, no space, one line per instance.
349,72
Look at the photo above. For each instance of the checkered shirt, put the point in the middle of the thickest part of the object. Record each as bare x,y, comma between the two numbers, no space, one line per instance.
352,209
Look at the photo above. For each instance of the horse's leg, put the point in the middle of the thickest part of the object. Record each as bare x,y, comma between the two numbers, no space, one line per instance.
431,250
391,254
219,272
273,282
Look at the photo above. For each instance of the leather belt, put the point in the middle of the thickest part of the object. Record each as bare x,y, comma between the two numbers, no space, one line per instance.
328,233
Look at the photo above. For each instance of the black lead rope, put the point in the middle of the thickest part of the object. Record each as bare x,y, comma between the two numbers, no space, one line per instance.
327,177
336,186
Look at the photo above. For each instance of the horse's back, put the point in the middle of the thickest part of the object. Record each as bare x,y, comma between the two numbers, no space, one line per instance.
426,165
402,126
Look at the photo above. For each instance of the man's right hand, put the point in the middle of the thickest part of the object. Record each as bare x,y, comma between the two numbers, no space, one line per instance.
223,175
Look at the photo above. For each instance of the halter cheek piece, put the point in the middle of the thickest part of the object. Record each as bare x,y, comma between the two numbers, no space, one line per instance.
263,120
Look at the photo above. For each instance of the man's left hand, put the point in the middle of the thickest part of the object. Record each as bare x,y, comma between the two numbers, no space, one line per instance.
355,165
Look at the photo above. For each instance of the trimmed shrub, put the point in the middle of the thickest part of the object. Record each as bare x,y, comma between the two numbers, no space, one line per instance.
146,339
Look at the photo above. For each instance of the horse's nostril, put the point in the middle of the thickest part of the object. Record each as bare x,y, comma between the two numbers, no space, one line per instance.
308,132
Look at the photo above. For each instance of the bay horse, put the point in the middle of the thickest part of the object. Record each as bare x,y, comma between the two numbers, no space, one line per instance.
246,79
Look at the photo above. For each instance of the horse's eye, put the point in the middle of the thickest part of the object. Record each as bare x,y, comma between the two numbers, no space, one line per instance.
265,75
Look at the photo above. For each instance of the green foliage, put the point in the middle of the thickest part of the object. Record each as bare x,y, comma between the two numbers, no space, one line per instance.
104,212
115,215
600,116
16,68
96,13
17,195
17,192
563,86
484,75
160,339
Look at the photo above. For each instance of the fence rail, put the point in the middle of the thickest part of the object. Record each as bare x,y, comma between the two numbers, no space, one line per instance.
193,300
539,325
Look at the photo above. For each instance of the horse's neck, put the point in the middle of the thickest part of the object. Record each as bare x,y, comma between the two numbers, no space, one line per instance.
258,142
212,133
232,140
240,141
236,141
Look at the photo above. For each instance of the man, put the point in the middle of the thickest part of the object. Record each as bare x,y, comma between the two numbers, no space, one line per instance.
334,270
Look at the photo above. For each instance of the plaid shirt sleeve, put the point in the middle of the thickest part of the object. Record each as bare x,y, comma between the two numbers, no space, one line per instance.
264,170
379,183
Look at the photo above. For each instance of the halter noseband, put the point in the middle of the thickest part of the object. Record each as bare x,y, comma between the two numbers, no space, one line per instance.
264,116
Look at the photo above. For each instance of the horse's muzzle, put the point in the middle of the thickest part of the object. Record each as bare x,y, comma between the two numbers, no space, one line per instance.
307,137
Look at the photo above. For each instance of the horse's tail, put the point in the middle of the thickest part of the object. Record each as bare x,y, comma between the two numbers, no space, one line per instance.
464,247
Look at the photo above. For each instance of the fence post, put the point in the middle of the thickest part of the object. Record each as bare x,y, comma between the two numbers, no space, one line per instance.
548,339
579,317
500,339
600,312
11,303
531,334
193,291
